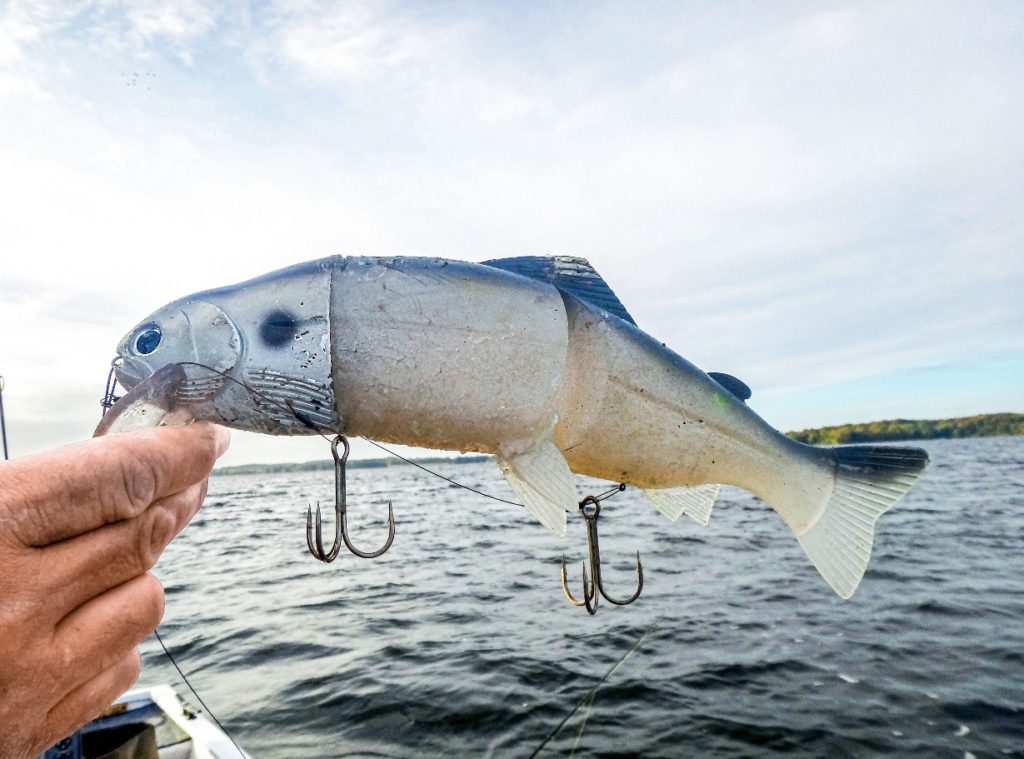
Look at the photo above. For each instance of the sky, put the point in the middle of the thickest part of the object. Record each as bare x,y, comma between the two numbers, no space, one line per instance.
823,199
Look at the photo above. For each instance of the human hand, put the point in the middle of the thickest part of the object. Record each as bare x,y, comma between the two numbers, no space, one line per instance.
80,528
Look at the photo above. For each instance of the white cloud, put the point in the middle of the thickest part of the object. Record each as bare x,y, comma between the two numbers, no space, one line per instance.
14,87
180,21
38,36
421,62
357,39
23,23
804,199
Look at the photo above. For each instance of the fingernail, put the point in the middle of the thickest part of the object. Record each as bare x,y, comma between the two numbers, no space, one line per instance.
223,439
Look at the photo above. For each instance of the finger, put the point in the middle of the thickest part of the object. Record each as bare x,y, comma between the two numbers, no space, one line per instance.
91,698
94,636
85,566
71,490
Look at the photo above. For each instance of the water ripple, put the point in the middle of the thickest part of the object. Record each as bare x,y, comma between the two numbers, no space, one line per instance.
458,642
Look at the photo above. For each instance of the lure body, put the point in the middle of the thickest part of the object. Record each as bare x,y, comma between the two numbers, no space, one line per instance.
532,360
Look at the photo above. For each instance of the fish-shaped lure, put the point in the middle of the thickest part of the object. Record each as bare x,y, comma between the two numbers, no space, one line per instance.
531,359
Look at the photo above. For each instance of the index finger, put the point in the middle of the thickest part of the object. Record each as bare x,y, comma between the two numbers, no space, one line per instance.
71,490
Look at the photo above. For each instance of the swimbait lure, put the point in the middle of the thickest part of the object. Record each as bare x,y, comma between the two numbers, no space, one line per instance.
531,359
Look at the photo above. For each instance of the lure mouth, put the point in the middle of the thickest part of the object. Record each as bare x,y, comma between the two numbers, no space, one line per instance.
151,403
130,372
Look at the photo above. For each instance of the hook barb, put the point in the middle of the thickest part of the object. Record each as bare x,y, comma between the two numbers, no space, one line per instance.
588,590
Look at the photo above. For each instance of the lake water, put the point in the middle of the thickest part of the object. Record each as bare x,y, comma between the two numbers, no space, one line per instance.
458,642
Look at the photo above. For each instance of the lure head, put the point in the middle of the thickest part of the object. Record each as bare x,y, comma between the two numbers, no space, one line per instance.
257,354
188,331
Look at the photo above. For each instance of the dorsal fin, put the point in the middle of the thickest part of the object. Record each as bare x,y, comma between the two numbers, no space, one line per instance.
735,386
572,275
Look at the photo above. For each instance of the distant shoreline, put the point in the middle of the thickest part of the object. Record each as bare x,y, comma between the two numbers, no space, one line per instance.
983,425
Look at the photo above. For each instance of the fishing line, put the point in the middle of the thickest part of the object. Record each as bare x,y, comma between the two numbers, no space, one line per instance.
589,697
3,424
209,711
607,494
446,479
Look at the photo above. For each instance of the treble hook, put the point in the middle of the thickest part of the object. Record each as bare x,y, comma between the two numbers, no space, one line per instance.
593,585
340,524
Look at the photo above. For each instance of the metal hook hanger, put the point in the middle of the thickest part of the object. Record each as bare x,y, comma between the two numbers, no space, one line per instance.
109,396
316,546
590,508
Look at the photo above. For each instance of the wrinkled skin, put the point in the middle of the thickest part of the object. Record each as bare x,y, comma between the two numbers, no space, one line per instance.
80,528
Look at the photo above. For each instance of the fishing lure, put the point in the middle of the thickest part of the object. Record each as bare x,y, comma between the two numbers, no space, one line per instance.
533,360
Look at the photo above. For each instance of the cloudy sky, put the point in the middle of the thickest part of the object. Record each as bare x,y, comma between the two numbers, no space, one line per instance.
826,200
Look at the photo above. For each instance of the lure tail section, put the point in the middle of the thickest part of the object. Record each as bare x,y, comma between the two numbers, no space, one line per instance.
868,480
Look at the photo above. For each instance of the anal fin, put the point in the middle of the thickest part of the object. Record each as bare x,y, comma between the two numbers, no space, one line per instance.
695,502
541,478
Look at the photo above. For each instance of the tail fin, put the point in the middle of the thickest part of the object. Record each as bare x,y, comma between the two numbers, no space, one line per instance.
869,479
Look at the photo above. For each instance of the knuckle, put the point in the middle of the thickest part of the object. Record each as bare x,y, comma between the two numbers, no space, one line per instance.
18,573
122,674
132,488
158,527
132,668
66,653
196,496
28,502
139,481
151,602
213,444
34,521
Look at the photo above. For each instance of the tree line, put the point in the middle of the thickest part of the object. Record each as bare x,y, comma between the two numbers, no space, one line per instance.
328,463
983,425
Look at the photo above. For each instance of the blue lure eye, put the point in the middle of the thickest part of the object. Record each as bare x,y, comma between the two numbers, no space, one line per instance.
148,339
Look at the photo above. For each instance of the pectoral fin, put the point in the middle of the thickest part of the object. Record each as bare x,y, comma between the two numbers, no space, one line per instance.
695,502
541,478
